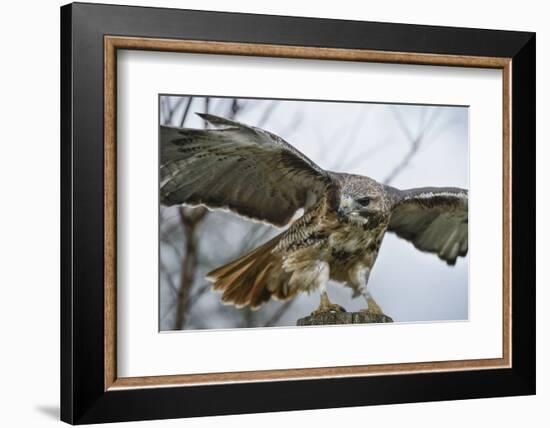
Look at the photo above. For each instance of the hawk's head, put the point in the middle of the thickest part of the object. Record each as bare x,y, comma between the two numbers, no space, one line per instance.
362,199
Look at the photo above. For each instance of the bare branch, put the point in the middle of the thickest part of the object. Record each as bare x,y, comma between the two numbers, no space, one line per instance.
367,154
292,126
186,111
351,139
191,218
267,113
168,277
172,109
415,142
199,293
279,313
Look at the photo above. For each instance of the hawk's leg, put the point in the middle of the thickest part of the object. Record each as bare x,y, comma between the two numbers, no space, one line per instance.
359,277
372,306
325,305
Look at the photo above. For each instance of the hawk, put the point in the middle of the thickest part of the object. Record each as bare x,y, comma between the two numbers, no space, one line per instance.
258,175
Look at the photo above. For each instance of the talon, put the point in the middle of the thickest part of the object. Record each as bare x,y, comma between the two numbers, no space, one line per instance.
373,307
327,306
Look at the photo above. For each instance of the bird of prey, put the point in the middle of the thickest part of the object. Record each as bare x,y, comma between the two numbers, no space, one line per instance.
258,175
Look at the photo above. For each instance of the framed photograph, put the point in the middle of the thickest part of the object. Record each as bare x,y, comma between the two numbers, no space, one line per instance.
265,213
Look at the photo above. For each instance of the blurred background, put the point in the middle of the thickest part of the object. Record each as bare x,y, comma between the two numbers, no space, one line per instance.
402,145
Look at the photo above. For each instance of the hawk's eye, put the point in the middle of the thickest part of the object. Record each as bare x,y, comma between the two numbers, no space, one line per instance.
364,201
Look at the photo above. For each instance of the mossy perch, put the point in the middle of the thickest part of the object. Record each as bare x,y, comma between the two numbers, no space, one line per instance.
337,317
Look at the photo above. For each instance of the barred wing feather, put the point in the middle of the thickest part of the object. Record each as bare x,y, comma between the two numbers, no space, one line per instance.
434,220
237,167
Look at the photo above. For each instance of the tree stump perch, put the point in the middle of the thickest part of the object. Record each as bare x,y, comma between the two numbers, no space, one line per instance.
336,318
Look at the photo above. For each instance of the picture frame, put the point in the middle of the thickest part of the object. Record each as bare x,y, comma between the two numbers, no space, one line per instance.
91,390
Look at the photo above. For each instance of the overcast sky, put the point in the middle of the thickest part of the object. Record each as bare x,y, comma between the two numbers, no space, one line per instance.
366,139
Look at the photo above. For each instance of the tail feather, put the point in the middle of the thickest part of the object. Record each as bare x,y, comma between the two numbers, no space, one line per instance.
252,279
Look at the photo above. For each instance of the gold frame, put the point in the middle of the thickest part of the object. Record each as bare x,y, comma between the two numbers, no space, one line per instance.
113,43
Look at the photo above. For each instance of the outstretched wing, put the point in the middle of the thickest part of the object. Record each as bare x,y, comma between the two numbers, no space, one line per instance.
435,220
238,167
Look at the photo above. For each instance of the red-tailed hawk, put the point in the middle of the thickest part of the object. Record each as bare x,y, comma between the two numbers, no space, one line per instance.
258,175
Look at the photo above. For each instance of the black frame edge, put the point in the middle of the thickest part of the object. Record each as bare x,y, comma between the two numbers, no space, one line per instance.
66,316
524,220
297,30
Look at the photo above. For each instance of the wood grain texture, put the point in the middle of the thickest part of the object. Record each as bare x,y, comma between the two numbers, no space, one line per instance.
110,183
112,43
307,373
507,213
301,52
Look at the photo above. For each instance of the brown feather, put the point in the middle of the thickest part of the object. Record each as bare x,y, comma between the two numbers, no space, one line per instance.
246,280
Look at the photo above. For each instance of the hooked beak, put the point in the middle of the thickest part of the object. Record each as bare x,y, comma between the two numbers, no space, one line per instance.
350,208
359,213
353,211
